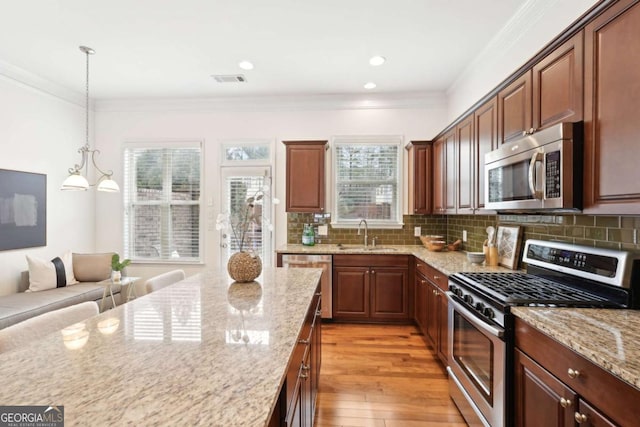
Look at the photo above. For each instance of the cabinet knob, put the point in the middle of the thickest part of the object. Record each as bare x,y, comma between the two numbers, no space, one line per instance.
573,373
580,418
436,277
305,367
565,403
424,282
304,376
319,313
305,342
373,272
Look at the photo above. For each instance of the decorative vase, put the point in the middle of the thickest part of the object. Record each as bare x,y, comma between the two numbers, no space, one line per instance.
244,267
116,276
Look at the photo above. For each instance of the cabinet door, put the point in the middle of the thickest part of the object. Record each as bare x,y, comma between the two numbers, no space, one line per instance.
351,293
486,140
540,398
420,177
439,178
612,111
305,176
432,315
389,293
558,85
465,169
589,416
514,109
443,327
421,302
450,172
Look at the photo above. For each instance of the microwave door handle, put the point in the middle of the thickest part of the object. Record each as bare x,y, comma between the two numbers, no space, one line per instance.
537,157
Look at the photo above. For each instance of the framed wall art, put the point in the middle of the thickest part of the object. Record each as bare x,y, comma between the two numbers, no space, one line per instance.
23,209
508,241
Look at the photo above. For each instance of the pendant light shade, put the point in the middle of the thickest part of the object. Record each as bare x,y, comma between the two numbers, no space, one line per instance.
76,181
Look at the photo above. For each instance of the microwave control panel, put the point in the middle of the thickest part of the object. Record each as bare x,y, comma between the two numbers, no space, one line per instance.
552,175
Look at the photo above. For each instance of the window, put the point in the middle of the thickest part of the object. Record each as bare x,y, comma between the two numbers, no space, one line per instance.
162,202
367,181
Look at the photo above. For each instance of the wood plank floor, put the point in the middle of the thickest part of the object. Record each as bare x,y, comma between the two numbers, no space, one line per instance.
381,376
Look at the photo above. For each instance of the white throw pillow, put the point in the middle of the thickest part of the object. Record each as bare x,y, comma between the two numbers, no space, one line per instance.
42,273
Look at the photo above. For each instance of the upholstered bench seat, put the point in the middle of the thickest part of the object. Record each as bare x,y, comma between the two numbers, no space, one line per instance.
24,305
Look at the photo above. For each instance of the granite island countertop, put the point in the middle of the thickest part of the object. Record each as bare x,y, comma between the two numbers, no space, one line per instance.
447,262
204,351
607,337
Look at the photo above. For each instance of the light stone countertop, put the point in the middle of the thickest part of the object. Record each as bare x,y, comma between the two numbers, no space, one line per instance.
607,337
204,351
446,262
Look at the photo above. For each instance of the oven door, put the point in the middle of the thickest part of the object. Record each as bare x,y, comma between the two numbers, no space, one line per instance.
477,359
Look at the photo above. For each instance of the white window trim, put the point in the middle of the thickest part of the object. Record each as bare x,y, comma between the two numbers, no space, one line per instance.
160,144
368,140
224,144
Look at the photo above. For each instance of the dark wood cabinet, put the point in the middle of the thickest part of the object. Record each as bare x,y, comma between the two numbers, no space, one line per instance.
465,178
305,176
612,111
540,398
486,140
431,308
546,372
558,85
439,175
450,159
514,109
420,177
371,288
301,384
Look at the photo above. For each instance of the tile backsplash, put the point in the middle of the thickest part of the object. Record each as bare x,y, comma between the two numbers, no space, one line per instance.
614,232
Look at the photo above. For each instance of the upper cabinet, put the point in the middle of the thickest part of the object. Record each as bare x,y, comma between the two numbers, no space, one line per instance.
612,111
485,140
464,166
444,174
305,176
558,85
514,109
420,177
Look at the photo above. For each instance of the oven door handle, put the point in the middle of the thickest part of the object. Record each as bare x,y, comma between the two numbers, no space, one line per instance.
469,315
537,157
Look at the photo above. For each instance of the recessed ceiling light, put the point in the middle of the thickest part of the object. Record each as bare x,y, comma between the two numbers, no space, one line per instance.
377,60
245,65
370,85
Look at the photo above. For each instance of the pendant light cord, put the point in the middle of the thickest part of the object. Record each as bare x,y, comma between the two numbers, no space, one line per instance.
87,103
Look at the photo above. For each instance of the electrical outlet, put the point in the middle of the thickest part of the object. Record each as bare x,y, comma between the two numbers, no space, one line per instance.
464,235
417,231
323,230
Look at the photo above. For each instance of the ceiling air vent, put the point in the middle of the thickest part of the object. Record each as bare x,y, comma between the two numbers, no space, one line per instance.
229,78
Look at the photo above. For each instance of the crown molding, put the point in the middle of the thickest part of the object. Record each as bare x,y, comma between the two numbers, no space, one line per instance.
409,100
35,82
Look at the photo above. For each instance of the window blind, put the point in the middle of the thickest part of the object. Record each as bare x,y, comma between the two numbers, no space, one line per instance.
367,181
162,201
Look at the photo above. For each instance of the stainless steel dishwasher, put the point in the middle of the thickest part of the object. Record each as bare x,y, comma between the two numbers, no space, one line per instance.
315,261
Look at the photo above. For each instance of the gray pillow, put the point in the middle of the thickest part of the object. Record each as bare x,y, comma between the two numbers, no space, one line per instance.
92,267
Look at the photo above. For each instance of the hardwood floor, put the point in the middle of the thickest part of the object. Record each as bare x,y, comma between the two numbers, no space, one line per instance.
381,376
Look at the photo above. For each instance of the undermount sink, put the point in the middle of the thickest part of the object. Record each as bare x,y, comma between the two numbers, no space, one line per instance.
367,249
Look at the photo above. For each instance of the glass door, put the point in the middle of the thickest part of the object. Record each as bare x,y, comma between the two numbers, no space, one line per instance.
246,212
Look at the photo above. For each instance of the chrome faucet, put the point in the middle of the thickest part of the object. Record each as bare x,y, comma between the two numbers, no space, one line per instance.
366,230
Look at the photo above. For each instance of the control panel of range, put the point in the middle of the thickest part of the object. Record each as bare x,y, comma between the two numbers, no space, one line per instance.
477,303
601,265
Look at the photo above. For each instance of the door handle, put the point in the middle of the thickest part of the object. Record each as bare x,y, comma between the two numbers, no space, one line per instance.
537,157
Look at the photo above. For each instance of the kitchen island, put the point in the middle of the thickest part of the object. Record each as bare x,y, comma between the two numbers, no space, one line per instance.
204,351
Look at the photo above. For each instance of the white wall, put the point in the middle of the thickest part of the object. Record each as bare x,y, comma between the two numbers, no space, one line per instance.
119,125
41,133
536,24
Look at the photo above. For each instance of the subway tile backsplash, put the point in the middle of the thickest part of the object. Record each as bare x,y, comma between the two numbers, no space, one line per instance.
615,232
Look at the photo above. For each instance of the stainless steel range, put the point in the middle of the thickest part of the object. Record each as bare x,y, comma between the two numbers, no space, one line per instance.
481,325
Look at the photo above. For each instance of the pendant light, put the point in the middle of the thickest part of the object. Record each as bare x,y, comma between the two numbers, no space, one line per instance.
76,181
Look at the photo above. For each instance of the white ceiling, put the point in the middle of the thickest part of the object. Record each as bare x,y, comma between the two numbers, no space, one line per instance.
170,48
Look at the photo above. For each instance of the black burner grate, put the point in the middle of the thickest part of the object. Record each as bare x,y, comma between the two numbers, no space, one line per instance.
521,288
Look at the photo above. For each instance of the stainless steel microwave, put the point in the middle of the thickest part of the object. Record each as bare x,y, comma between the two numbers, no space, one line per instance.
541,171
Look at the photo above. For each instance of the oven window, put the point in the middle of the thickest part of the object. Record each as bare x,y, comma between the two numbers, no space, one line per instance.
474,353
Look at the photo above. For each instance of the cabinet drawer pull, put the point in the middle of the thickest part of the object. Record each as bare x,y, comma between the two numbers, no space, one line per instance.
565,403
305,367
304,376
318,294
319,313
305,342
424,282
573,373
436,277
580,418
